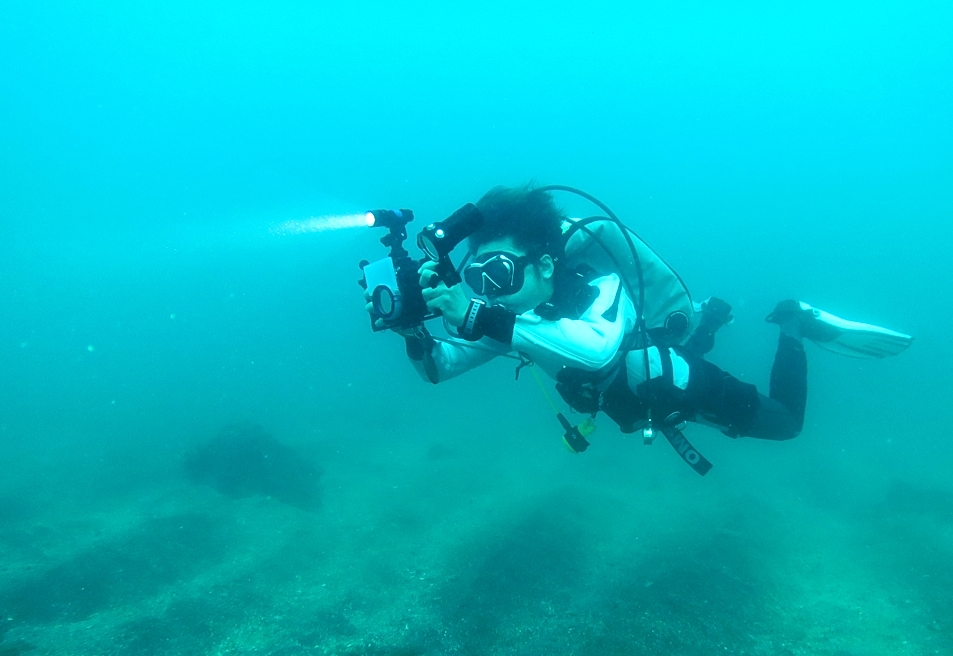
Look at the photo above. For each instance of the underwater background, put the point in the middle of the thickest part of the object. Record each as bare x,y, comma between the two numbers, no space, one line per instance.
204,449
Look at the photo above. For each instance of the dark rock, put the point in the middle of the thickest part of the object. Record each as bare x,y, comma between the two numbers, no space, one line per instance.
245,460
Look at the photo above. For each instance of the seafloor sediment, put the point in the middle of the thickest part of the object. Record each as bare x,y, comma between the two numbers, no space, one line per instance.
446,549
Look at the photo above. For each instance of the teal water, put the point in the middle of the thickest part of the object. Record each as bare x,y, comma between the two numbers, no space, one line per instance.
767,152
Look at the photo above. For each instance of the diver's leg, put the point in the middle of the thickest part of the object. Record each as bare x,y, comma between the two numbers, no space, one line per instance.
717,397
773,421
789,377
789,372
781,416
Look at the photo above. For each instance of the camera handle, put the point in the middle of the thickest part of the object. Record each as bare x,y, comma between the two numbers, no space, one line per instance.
446,272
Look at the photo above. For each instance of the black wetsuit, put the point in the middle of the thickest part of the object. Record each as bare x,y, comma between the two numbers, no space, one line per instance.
738,408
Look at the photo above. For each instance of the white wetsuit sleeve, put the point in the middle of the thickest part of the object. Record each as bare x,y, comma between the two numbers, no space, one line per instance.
590,342
456,356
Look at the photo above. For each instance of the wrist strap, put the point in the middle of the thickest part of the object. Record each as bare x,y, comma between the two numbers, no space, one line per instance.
493,321
469,328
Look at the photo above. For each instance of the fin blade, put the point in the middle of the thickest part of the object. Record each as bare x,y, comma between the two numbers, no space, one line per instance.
870,344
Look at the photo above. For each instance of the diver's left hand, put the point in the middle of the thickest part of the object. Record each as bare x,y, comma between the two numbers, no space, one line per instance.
450,301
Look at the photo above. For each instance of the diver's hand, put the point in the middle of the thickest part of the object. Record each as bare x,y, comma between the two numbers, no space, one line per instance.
379,323
369,307
450,301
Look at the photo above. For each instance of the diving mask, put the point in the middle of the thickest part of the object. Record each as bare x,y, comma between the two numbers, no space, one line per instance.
496,273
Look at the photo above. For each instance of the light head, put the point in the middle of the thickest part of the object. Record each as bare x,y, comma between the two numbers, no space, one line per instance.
438,239
388,218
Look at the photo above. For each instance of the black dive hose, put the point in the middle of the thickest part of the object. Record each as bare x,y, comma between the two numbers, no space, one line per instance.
625,231
640,313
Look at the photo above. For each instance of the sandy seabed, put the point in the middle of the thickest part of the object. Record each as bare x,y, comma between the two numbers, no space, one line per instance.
440,548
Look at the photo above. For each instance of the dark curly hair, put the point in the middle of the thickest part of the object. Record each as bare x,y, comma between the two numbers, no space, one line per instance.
527,215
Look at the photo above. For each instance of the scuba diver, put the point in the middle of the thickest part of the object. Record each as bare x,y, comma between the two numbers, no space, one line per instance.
598,311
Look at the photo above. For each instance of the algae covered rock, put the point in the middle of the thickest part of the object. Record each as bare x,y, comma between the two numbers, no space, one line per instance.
245,460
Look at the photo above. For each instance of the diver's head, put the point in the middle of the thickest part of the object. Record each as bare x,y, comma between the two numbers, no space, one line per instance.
517,249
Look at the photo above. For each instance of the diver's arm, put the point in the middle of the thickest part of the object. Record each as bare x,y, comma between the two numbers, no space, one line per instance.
437,361
590,342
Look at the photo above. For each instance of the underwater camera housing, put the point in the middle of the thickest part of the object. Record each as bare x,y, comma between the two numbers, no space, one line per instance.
396,295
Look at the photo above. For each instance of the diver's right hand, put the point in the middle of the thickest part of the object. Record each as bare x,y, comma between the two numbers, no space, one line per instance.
451,302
